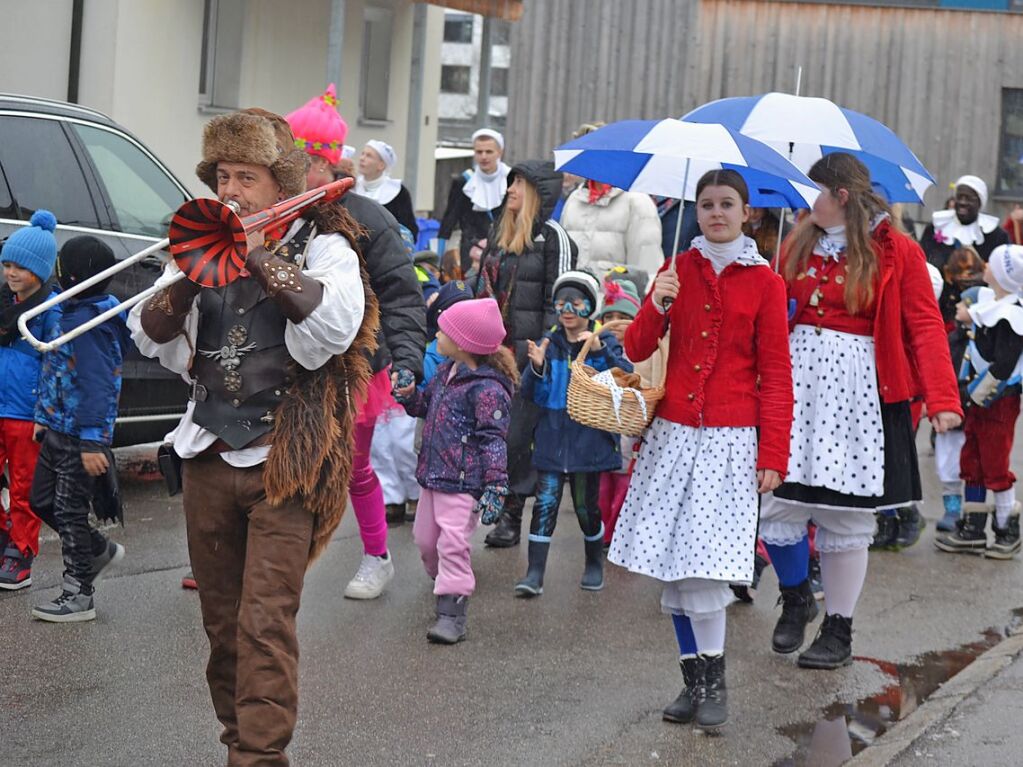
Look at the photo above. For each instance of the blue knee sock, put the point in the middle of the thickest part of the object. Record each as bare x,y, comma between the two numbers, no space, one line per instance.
791,563
975,494
684,634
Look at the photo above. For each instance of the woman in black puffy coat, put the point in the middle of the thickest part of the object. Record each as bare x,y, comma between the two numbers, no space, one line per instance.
525,253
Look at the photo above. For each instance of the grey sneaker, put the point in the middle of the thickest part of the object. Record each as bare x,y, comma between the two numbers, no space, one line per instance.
451,620
113,555
71,606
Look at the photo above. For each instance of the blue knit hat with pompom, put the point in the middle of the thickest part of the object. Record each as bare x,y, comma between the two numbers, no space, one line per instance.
34,247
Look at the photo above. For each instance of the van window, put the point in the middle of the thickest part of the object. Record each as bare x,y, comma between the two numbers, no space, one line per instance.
43,172
142,194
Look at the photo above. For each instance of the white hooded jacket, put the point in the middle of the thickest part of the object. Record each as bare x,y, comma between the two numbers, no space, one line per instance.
620,229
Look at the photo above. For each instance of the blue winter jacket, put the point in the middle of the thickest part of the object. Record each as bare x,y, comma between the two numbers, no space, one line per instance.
81,380
20,364
432,360
464,448
559,443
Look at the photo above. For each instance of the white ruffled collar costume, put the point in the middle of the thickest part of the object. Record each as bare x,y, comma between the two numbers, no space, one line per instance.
834,241
487,190
382,189
742,250
948,229
989,311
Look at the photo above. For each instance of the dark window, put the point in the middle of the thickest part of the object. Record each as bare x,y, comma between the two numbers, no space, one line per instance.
454,79
220,60
376,63
500,32
1010,158
43,172
499,81
143,196
457,28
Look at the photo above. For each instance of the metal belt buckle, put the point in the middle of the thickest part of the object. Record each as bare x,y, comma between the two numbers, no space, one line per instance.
197,392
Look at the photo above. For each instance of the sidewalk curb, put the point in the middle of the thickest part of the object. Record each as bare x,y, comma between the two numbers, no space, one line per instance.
940,705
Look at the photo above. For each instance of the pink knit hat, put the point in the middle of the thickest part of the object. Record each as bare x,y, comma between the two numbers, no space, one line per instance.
318,128
475,326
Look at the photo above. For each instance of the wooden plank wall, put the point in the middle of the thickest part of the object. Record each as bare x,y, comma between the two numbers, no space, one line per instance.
933,76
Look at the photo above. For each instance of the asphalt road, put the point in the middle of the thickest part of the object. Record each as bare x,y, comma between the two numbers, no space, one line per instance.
571,678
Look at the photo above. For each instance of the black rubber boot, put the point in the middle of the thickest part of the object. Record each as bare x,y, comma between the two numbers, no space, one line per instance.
885,533
395,513
911,524
1007,543
451,619
712,707
593,575
532,584
833,646
508,529
683,709
969,536
798,609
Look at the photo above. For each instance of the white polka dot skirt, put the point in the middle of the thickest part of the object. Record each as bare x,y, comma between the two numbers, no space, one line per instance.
837,433
691,510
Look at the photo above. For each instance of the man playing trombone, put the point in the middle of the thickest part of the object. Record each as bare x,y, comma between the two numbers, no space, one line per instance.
272,360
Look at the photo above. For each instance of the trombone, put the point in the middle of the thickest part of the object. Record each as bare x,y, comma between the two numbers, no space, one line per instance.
209,243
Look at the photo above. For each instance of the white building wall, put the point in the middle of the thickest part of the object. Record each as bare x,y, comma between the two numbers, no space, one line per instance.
35,39
140,63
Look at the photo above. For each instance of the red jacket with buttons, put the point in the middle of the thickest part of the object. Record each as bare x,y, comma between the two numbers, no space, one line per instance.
910,343
728,355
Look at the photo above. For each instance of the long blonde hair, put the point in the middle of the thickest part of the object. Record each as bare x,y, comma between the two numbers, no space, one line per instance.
515,229
834,172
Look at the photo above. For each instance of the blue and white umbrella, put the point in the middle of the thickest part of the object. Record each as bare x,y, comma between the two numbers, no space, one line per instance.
804,129
668,157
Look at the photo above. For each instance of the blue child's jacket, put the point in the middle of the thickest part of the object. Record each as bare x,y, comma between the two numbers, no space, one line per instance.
81,380
559,443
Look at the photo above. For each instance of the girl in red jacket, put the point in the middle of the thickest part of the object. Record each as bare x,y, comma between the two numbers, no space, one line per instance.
863,318
690,516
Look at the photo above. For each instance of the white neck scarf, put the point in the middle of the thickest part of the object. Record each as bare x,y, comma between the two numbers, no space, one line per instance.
383,189
742,250
832,243
487,190
949,229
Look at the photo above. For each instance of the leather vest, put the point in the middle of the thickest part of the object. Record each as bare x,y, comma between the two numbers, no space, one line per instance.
242,368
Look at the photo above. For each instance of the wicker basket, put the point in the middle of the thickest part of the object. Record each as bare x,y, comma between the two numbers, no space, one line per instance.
591,405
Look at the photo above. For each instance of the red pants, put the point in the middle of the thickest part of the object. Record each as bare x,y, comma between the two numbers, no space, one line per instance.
19,451
613,487
984,460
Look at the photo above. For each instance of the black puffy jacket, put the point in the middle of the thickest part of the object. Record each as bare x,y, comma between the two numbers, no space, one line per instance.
402,340
523,284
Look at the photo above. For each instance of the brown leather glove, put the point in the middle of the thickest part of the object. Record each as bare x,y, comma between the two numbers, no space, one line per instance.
163,317
295,293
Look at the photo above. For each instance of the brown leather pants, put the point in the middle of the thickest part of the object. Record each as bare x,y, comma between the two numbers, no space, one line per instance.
249,561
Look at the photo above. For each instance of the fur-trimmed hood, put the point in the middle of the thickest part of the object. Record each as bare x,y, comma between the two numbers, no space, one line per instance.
253,136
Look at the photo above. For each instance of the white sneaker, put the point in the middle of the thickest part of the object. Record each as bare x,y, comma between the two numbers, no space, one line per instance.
373,575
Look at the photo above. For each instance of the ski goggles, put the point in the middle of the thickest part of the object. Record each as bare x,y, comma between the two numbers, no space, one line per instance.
580,307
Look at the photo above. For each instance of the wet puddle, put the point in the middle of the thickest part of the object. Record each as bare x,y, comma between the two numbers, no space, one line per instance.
845,729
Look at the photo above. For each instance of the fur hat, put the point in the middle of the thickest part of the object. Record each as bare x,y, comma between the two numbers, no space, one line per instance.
475,326
33,247
318,128
253,136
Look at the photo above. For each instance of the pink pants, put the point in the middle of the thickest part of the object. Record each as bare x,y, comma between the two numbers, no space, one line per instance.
367,497
613,487
443,531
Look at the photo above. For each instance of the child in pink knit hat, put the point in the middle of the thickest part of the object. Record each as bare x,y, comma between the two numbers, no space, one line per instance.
463,463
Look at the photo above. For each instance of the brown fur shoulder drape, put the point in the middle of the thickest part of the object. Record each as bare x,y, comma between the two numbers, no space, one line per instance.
313,442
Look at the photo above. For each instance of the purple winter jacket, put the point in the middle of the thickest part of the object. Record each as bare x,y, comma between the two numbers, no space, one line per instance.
464,447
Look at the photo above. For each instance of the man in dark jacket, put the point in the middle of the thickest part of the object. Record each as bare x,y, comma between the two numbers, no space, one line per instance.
523,285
